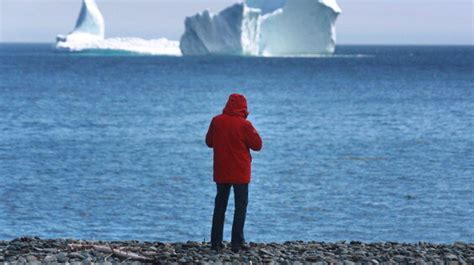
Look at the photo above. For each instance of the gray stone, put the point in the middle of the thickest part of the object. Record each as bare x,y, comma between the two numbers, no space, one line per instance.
76,255
313,258
62,257
266,252
2,258
152,248
50,258
451,257
374,261
22,260
31,258
87,260
399,258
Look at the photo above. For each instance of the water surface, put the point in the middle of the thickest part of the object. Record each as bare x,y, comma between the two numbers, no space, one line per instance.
373,144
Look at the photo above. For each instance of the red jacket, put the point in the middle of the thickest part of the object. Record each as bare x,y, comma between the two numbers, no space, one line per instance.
232,136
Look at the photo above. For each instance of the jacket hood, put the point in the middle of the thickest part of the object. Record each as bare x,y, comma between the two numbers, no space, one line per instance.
236,106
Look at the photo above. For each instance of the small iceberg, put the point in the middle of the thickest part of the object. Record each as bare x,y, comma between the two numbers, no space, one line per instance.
89,35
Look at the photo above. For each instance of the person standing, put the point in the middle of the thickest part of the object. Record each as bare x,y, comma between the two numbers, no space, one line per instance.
232,136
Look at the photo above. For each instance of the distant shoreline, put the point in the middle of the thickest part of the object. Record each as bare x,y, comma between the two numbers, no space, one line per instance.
36,250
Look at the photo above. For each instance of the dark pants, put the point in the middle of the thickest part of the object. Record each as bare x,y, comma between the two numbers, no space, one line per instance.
241,192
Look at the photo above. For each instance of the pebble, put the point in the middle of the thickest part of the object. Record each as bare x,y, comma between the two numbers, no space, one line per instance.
49,258
31,258
61,257
451,257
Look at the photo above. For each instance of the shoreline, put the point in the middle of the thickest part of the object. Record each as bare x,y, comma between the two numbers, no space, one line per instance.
35,250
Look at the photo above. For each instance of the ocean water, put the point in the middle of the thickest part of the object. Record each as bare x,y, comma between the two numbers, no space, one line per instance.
375,143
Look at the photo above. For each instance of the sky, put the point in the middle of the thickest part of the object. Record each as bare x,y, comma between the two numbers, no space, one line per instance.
362,21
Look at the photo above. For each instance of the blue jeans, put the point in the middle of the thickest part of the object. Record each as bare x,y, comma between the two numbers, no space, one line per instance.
241,192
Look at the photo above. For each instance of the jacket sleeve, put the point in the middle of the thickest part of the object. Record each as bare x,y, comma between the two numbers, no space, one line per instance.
209,135
252,137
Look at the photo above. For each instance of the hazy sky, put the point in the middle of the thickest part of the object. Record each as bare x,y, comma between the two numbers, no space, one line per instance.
362,21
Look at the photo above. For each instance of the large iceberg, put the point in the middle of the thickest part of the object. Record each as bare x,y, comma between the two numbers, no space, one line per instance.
89,32
234,31
300,27
264,27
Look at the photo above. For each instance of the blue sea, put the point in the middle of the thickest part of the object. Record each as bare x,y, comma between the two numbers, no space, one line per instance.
374,143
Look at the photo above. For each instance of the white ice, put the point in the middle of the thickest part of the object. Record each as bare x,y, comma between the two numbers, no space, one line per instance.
90,24
300,27
161,46
264,28
266,6
231,31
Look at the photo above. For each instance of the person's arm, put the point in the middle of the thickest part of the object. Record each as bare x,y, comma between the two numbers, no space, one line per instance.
252,137
209,135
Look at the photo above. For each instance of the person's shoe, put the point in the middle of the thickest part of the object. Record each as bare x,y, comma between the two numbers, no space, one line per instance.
240,247
217,247
244,247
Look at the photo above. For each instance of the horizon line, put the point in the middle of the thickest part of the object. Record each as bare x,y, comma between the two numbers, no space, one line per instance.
341,44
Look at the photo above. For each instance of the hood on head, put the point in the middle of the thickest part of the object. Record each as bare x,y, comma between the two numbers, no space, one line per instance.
236,106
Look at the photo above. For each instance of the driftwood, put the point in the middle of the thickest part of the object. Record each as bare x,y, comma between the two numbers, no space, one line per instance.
108,249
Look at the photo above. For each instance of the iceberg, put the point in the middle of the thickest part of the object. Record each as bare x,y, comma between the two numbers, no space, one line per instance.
89,35
300,27
232,31
89,25
264,28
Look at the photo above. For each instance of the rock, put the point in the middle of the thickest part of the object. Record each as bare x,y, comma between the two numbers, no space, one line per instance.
342,251
399,258
61,257
76,255
2,258
313,258
50,258
21,260
450,256
460,244
268,261
31,258
86,261
374,261
266,252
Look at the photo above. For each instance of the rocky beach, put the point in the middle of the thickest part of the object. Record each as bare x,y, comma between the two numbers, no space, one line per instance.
51,251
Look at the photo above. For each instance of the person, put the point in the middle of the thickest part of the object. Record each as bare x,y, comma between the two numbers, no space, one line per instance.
232,136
